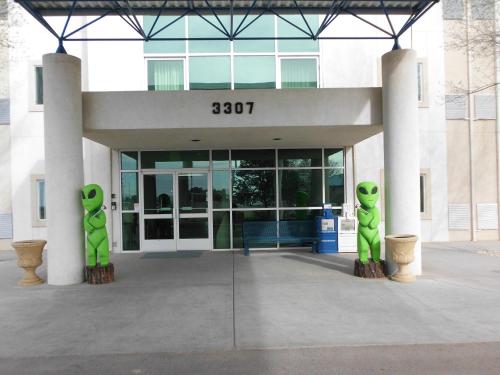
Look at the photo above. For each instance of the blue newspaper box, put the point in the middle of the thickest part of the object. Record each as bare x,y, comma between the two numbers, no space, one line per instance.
327,229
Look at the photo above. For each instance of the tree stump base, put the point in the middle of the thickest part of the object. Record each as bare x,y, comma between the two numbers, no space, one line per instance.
99,274
371,270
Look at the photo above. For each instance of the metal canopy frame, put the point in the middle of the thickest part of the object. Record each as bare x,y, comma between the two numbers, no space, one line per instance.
251,10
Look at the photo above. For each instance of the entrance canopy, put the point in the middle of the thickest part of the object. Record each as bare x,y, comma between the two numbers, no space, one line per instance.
238,16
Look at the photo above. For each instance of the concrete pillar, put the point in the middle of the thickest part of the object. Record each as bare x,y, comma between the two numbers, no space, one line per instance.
62,96
401,147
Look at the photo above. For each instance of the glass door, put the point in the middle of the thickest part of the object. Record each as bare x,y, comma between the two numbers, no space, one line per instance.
158,212
193,219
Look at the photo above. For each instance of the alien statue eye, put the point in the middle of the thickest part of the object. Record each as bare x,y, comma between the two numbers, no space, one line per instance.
83,195
374,190
362,190
92,194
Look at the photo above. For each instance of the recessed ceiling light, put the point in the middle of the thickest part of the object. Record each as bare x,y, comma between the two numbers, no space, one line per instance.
195,140
276,139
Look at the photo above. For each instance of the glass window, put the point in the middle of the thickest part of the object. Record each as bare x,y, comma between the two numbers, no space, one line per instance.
240,216
254,188
129,191
422,193
299,158
254,72
253,158
165,75
287,30
300,188
158,229
420,81
200,28
334,157
193,193
334,186
174,159
175,30
299,73
210,73
129,160
220,159
158,194
220,186
38,85
193,227
299,214
262,27
130,231
40,189
222,230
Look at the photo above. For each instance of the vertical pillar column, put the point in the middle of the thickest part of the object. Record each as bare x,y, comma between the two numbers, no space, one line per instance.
401,148
63,126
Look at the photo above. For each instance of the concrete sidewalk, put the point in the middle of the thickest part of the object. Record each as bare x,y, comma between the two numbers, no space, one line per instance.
222,302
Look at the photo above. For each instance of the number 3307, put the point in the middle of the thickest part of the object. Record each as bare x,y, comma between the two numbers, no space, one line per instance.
229,108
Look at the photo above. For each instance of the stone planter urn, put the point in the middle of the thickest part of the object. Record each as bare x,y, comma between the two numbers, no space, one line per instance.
401,248
29,257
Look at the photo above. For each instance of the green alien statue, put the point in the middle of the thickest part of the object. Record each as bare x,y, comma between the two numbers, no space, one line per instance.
94,223
369,219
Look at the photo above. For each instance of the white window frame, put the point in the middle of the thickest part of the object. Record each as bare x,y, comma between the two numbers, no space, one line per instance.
423,84
425,173
35,202
32,105
231,54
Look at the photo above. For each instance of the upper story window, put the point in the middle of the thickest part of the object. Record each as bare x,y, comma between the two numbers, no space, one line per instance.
38,85
222,64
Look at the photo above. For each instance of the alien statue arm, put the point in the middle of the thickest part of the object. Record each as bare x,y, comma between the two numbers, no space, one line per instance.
375,221
364,217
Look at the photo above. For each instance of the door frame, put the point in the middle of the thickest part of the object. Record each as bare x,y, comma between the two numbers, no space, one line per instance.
174,244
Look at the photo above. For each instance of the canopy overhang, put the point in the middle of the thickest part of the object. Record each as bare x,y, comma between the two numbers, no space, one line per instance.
251,10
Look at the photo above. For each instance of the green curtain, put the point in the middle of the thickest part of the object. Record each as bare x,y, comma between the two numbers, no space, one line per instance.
298,73
165,75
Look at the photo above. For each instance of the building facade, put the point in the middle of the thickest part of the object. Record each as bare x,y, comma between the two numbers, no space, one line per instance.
249,130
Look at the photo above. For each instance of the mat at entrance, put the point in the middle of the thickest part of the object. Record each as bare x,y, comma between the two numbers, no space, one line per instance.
172,254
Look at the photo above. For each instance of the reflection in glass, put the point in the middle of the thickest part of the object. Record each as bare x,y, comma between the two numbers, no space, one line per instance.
299,158
200,28
193,193
129,160
299,214
300,188
129,190
334,157
40,184
174,159
220,159
254,188
222,229
220,186
175,30
193,227
286,29
158,194
210,72
254,72
130,231
240,216
263,26
334,186
253,158
158,229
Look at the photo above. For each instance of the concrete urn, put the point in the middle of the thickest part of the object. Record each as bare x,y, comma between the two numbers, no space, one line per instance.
401,247
29,257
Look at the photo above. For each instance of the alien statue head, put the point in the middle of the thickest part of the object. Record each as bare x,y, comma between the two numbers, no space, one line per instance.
92,197
367,193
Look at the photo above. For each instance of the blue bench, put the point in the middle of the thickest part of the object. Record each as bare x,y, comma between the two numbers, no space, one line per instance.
293,231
